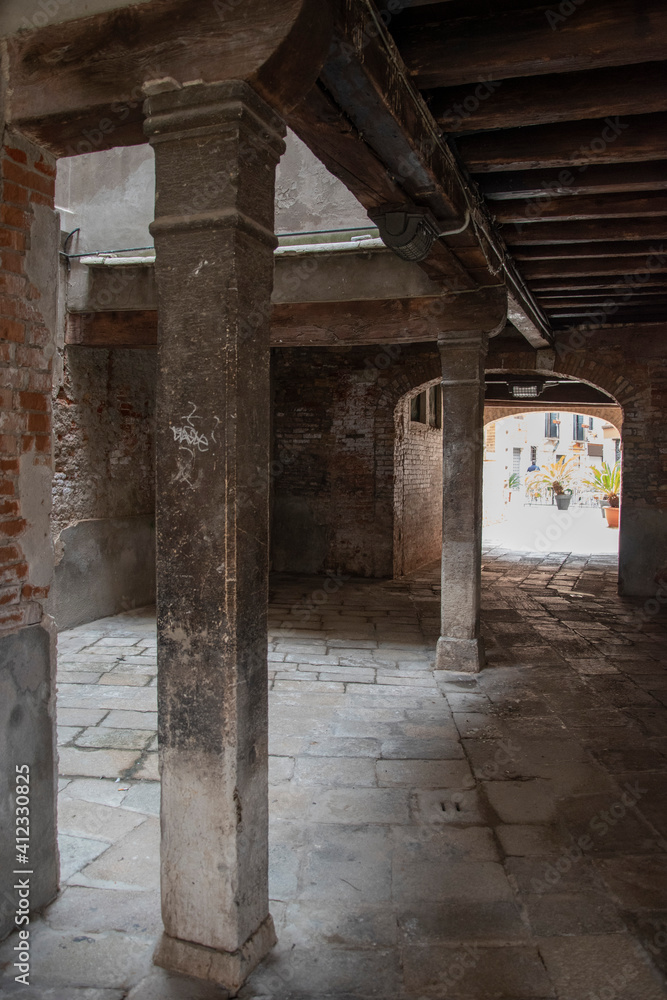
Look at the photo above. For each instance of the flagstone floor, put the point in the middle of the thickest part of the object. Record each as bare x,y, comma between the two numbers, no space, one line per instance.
498,837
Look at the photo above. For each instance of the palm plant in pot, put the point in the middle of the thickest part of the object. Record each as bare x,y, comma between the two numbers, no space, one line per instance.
513,483
559,477
607,481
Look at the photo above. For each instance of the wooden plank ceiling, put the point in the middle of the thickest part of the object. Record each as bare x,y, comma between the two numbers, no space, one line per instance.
559,114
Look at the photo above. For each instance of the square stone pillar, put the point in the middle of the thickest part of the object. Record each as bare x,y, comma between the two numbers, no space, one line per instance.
216,150
462,354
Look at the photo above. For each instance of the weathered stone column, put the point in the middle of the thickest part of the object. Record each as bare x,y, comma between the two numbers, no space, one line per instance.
216,149
462,354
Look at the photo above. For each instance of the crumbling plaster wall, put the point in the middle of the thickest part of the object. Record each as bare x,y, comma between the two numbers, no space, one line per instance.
104,483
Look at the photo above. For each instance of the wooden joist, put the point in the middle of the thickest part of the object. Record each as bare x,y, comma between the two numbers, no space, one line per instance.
593,230
629,248
651,175
567,285
629,315
603,206
578,144
380,109
484,43
558,97
593,267
577,302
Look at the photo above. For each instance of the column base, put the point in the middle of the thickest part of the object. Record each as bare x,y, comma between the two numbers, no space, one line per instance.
464,655
225,968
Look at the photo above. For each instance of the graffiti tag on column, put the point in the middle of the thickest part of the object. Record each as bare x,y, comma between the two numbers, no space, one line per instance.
191,442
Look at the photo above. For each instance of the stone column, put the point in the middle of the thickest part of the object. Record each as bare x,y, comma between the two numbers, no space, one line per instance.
462,354
216,149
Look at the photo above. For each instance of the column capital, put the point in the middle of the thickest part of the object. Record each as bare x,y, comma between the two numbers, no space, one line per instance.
477,340
213,139
462,354
208,108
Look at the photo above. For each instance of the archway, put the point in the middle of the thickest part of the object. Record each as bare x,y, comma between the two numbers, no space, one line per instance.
521,444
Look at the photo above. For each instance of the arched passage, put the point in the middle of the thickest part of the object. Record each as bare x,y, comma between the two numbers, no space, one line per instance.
521,444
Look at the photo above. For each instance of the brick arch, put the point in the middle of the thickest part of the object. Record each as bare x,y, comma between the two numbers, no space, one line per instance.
569,364
613,413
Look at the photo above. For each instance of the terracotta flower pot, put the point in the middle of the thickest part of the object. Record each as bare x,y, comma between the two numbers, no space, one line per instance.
611,513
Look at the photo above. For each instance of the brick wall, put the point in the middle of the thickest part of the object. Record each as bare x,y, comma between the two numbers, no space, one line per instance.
104,483
333,460
28,308
418,492
26,350
104,435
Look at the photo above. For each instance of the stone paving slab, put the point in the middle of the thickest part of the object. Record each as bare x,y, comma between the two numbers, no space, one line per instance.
414,814
81,818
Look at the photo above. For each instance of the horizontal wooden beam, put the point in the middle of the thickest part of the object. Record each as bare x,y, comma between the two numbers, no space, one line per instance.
616,249
570,284
377,132
602,206
597,300
77,87
650,175
441,51
577,144
381,321
630,316
621,178
126,328
593,231
562,268
558,97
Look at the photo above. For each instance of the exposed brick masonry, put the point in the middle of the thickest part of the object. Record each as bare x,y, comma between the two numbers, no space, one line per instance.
28,177
418,492
333,469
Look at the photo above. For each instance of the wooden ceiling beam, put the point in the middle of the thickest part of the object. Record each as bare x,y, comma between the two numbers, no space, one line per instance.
578,144
649,175
592,231
565,268
542,286
495,44
77,87
381,109
379,321
623,317
629,248
576,207
558,97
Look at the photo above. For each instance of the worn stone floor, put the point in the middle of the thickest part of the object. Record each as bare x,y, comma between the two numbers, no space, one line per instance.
501,836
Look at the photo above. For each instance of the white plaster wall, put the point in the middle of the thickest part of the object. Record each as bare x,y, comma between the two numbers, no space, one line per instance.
109,196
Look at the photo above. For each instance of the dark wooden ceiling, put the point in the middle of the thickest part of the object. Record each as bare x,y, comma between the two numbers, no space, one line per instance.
559,113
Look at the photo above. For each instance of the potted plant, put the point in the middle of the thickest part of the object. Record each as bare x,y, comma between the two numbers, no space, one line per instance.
607,480
559,477
513,483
